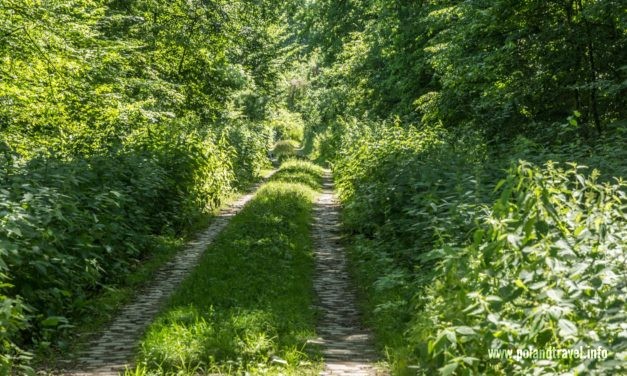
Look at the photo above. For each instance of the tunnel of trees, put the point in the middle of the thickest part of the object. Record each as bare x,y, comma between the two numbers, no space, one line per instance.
478,149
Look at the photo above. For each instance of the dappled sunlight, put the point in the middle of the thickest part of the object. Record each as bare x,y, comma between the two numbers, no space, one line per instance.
156,179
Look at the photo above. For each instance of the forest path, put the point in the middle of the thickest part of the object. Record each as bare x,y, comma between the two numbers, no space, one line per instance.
111,352
347,345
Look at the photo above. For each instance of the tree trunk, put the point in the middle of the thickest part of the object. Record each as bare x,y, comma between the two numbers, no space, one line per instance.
592,74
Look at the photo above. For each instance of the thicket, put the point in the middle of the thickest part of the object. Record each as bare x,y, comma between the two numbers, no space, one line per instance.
456,258
457,131
287,125
284,150
121,122
478,150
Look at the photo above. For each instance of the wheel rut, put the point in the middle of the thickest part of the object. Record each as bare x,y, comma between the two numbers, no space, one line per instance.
111,352
347,345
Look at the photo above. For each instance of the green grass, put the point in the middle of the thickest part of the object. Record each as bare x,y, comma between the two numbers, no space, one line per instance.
247,307
285,149
301,172
99,310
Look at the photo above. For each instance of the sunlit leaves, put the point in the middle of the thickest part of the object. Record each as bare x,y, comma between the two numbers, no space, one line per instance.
116,126
551,290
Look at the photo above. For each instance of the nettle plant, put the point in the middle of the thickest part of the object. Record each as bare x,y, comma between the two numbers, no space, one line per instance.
546,269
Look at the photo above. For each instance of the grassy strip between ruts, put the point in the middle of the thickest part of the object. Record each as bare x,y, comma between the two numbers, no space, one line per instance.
247,307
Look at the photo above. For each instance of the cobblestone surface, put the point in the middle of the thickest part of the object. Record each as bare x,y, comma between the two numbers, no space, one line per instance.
111,352
347,345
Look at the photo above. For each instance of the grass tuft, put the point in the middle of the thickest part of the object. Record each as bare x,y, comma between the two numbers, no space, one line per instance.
301,172
285,149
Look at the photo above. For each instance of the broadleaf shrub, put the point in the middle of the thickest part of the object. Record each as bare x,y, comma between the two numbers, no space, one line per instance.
543,271
287,125
68,226
284,150
459,255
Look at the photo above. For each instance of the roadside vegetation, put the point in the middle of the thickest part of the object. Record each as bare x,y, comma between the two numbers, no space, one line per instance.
123,126
247,307
478,149
456,258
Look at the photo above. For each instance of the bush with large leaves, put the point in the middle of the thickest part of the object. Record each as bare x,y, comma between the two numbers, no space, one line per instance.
545,270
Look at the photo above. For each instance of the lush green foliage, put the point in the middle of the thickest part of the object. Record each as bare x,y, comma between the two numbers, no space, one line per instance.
247,306
452,268
503,67
456,131
405,192
120,122
284,149
287,125
248,148
421,108
543,270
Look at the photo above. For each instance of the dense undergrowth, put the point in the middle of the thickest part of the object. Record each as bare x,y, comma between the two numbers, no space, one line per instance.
457,259
247,305
123,126
478,147
478,150
71,227
284,150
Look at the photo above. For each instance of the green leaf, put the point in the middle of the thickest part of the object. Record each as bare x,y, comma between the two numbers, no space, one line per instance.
567,328
53,321
448,369
555,294
465,330
538,285
520,283
499,184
